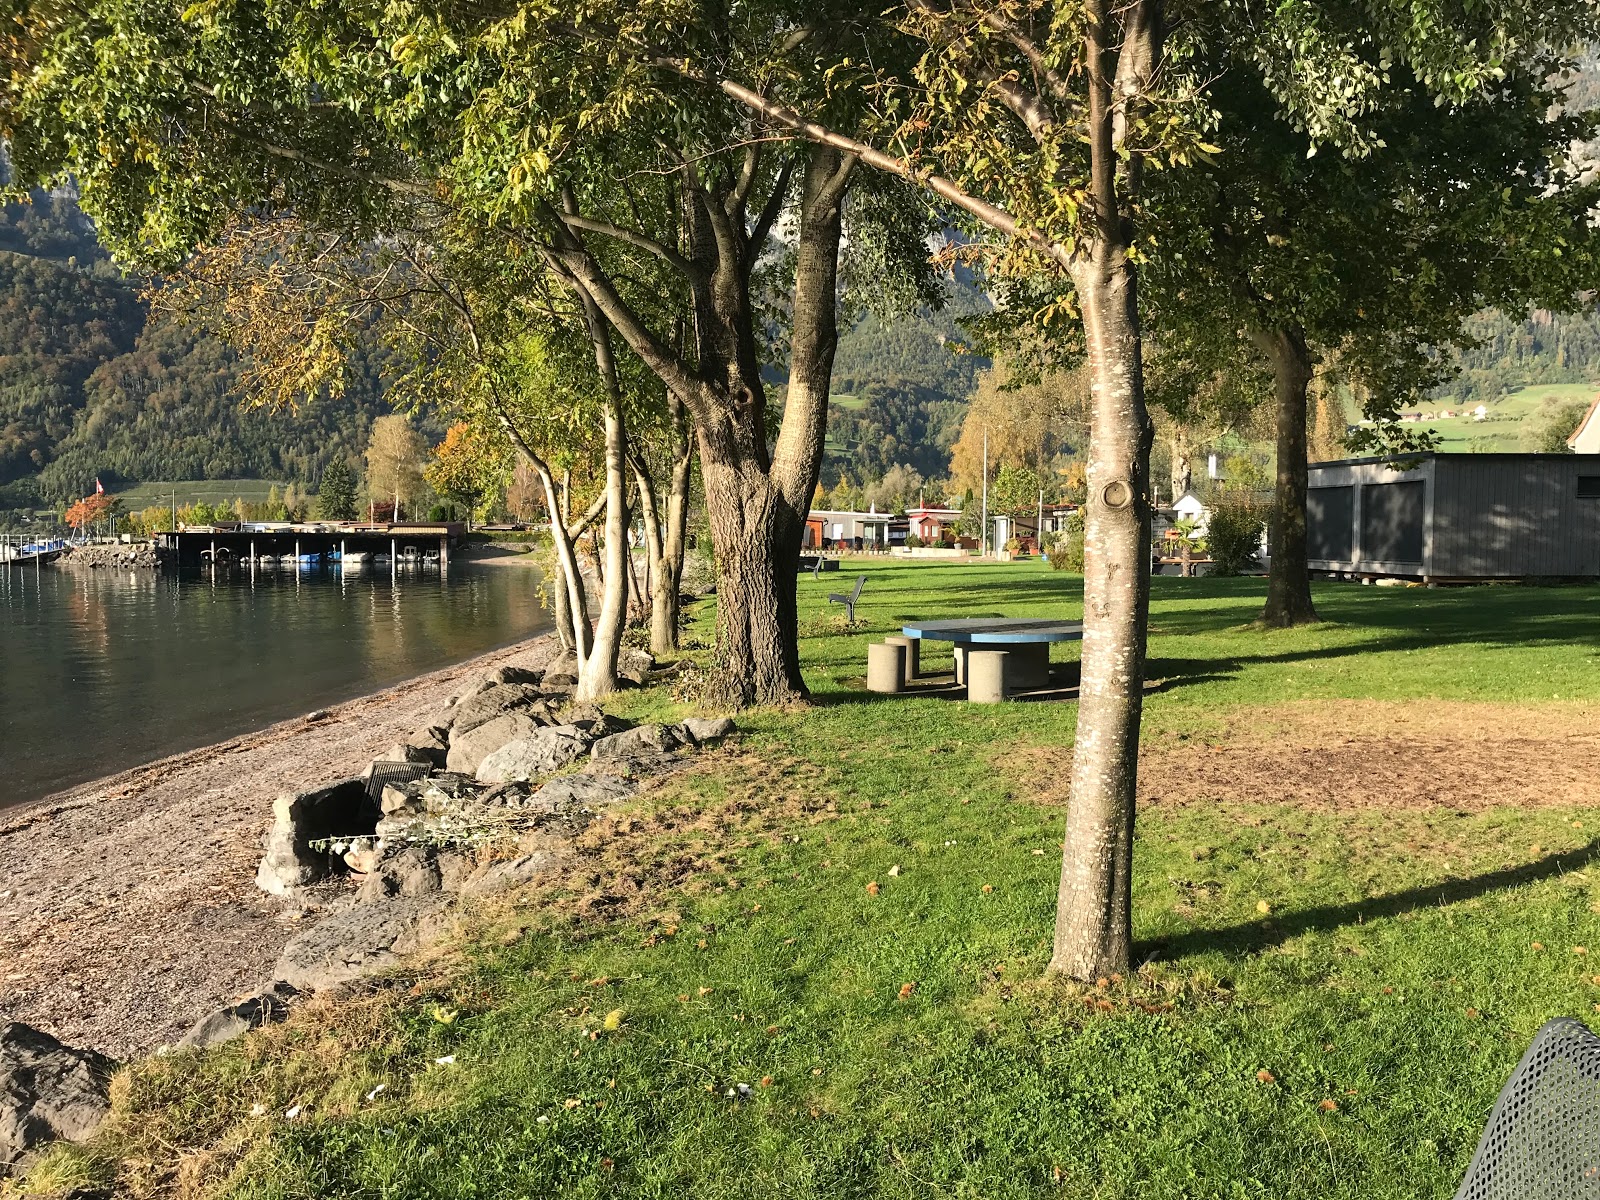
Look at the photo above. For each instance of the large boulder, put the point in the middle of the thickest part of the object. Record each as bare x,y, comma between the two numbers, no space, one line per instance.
541,753
707,731
341,809
433,743
490,703
468,750
642,741
235,1020
48,1092
530,675
503,876
361,941
575,793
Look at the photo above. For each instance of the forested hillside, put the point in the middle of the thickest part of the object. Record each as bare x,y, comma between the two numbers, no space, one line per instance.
87,390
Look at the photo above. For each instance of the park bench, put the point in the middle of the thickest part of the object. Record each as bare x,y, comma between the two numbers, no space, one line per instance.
1542,1141
849,601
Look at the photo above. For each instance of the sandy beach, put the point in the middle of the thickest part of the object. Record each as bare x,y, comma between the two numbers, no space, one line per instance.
128,907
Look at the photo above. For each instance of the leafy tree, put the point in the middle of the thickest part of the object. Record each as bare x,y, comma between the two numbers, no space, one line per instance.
336,497
1549,432
394,462
90,510
1016,491
1030,418
463,469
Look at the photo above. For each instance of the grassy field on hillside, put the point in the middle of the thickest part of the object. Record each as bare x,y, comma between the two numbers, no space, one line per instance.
811,965
1502,428
193,491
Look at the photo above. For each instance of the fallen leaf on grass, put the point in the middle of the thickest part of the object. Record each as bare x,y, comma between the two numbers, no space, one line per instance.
872,888
573,1102
613,1021
1263,907
1328,1106
766,1081
705,991
894,871
1266,1076
987,888
906,989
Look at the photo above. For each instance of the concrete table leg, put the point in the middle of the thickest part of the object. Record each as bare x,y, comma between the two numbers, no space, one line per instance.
886,667
961,665
911,645
1030,665
986,676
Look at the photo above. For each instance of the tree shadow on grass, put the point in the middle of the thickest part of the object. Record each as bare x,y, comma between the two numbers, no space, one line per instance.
1252,937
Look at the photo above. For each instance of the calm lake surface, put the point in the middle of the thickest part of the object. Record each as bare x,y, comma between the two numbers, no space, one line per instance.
103,670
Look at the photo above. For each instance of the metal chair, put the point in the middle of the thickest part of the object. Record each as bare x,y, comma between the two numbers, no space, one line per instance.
1542,1141
849,601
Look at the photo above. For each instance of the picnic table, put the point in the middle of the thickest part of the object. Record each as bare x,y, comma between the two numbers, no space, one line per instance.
1027,641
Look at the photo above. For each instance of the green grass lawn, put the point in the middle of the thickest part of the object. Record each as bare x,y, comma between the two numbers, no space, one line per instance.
1328,998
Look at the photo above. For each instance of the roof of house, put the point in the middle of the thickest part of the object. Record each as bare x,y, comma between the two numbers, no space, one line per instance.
1594,408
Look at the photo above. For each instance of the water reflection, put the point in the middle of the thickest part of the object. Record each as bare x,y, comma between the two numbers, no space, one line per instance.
102,670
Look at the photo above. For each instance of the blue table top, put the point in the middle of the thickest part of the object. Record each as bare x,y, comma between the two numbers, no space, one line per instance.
992,630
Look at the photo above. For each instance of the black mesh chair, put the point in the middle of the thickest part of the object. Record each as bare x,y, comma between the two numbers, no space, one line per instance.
1543,1137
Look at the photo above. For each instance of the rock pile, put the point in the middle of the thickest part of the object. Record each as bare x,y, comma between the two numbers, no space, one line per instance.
140,556
488,794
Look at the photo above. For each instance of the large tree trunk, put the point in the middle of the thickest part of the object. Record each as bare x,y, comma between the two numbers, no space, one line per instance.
1094,934
1094,924
1288,578
757,539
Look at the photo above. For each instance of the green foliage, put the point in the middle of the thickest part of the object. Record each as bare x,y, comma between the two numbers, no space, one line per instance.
1233,533
1015,491
336,496
1548,434
1065,550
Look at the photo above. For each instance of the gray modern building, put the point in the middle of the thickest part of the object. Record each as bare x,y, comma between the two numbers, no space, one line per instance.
1456,516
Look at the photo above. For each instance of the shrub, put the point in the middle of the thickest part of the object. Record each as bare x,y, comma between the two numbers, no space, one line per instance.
913,542
1233,535
1065,550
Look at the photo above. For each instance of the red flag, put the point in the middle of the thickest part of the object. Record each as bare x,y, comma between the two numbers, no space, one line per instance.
99,488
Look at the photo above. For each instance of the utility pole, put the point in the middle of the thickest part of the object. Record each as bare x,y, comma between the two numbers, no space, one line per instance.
1038,530
983,544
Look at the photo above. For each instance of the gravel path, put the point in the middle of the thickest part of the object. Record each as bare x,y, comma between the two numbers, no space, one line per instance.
128,907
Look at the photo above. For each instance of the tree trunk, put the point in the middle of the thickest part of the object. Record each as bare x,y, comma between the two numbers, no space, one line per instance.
1094,923
598,675
757,538
664,533
1094,934
1288,578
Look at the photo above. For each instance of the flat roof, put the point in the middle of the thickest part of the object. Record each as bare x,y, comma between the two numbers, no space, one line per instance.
1419,455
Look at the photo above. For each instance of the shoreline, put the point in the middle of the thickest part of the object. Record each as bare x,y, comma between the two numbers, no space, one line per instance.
128,904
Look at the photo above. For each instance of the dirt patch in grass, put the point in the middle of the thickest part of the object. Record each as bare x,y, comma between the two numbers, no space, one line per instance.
1350,755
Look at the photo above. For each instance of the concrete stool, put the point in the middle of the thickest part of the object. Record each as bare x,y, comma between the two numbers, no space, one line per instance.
913,659
886,667
986,676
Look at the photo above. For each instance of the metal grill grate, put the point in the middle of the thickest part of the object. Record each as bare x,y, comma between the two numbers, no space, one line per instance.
1543,1138
396,773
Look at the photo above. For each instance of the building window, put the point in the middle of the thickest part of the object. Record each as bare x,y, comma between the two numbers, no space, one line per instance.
1589,487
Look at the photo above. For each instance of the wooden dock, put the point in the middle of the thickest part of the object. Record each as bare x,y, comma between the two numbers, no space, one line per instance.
344,543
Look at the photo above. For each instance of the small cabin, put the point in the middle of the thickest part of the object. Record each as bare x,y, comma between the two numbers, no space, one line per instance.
1456,517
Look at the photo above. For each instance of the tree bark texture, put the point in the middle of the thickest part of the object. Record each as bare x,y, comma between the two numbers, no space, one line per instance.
1094,925
665,531
1288,577
597,676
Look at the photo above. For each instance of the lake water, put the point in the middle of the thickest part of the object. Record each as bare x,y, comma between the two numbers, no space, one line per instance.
103,670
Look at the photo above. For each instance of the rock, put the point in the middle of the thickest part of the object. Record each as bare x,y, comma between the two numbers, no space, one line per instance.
560,681
498,877
604,726
644,739
490,703
575,792
468,750
433,743
361,941
298,818
534,756
236,1020
527,675
707,731
48,1092
412,872
564,663
635,666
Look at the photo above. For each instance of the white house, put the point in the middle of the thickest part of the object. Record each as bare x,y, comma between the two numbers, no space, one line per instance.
1188,506
1585,438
